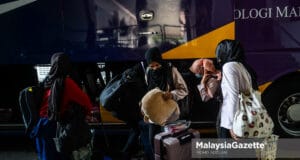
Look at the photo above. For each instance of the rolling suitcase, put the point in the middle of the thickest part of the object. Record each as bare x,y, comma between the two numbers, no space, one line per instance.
174,146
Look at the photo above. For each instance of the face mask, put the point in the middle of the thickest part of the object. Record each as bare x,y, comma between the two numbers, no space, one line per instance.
157,71
198,75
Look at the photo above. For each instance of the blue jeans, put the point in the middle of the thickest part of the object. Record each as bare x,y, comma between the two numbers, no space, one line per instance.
145,139
43,133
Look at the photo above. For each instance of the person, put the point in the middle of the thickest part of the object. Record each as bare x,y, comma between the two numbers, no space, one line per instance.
211,77
230,55
60,91
167,78
131,114
92,84
209,87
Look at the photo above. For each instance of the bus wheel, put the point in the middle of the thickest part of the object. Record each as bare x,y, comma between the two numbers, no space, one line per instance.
283,104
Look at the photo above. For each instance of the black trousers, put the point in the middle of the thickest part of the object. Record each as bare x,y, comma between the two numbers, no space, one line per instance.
225,133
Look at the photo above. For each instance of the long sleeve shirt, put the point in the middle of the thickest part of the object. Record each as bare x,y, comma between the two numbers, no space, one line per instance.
233,82
181,89
72,93
212,85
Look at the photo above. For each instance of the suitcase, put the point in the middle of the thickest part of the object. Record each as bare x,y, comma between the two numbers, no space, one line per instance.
174,146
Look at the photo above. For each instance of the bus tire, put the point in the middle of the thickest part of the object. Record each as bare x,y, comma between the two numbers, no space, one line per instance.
282,101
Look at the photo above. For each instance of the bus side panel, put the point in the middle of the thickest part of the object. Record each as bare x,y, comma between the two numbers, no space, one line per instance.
269,33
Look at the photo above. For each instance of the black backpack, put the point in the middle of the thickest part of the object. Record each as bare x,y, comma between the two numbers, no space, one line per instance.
30,100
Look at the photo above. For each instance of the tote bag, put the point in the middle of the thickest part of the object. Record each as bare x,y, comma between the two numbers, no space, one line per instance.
252,119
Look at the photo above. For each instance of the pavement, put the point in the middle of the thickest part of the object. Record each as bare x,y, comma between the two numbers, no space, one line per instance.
16,147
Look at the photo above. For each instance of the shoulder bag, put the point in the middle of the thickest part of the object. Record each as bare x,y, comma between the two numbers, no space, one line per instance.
251,119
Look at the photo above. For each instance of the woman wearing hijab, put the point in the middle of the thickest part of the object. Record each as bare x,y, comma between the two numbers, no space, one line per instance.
60,91
167,78
230,55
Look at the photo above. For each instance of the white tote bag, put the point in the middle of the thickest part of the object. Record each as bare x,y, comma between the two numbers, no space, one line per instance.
251,119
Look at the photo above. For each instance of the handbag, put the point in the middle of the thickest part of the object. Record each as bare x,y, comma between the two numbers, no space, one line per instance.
110,92
117,96
252,119
73,132
269,151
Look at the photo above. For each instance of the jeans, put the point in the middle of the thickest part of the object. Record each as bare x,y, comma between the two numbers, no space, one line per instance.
43,133
224,133
139,129
153,130
133,139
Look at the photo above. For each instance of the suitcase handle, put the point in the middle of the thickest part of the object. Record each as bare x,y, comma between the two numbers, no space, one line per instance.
186,138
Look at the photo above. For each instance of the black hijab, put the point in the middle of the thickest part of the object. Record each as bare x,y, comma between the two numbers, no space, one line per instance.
159,77
60,69
232,51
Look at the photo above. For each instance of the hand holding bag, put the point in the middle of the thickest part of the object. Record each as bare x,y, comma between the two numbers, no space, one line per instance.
251,119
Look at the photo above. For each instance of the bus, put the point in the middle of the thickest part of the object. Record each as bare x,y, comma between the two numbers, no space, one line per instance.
115,34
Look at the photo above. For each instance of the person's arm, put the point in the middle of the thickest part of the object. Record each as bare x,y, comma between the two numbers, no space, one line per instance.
181,89
208,89
230,91
74,93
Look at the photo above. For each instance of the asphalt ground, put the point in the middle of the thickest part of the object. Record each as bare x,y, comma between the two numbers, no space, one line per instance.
15,145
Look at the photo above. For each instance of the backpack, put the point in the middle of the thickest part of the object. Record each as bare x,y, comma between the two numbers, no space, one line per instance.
30,99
